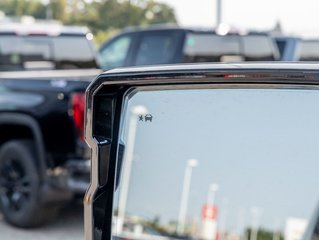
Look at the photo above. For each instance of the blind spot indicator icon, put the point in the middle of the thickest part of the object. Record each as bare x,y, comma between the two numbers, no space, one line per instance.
148,117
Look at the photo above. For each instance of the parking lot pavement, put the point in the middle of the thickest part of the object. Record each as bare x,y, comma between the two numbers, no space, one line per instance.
68,226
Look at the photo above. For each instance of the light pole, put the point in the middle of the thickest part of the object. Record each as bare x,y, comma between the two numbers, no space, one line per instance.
241,224
219,9
276,233
191,163
48,12
128,158
223,218
221,28
213,188
209,214
255,212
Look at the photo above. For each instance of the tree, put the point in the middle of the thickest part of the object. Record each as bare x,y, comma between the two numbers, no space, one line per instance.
58,8
263,234
19,8
101,16
159,13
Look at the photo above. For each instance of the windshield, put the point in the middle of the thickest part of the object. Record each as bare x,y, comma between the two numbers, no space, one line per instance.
309,50
205,47
45,52
236,163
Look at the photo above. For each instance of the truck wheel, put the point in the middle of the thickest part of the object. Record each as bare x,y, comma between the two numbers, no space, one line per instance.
20,187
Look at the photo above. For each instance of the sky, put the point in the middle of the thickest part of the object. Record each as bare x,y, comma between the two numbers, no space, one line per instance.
296,17
260,146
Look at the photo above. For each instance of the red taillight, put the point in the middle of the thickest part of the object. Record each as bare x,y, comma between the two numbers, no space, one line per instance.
78,107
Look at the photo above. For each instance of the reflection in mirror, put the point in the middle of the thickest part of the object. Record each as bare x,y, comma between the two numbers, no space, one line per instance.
219,164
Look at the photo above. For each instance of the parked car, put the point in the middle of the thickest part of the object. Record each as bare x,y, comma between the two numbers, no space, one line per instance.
253,128
166,45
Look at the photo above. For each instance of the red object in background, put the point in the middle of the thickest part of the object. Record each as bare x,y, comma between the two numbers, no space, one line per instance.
217,236
209,212
78,107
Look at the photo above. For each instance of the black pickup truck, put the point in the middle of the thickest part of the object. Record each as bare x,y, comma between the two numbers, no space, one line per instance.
44,162
169,44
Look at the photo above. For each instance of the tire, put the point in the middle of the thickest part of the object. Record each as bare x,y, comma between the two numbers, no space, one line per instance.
20,186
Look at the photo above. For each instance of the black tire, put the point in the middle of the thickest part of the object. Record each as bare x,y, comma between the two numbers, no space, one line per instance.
20,186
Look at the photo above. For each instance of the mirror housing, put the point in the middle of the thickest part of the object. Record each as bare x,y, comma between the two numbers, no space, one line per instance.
104,108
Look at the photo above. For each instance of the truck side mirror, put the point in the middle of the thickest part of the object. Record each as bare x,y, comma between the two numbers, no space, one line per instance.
211,152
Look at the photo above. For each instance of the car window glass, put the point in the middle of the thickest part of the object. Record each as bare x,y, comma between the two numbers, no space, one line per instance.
209,47
10,56
218,164
73,48
38,49
16,52
156,49
309,50
114,54
258,48
24,52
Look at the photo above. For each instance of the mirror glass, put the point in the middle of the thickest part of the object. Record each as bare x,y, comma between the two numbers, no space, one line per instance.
236,163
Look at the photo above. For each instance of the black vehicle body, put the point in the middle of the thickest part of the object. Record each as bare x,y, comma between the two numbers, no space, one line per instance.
288,47
38,107
162,44
106,95
44,160
297,49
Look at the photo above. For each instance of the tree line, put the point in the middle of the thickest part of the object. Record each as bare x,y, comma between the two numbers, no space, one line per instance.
103,17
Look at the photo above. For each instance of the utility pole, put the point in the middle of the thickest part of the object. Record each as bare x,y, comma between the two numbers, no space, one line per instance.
48,11
213,188
191,163
255,222
218,12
